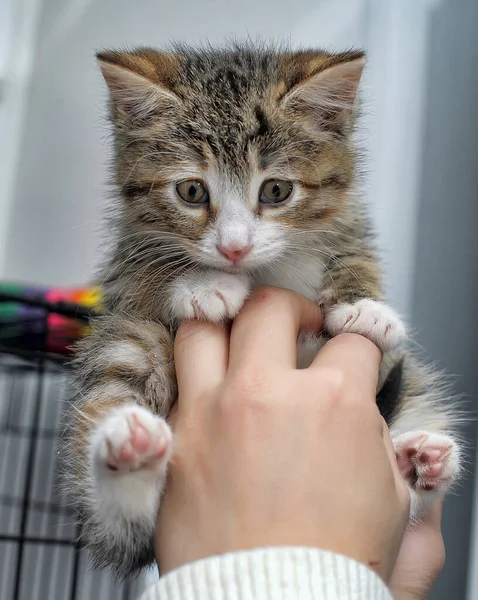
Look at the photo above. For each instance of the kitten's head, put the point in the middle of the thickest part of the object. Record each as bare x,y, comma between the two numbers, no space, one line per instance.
234,156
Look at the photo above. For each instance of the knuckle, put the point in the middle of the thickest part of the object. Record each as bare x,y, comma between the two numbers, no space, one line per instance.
249,388
185,331
339,391
333,383
197,330
267,294
250,381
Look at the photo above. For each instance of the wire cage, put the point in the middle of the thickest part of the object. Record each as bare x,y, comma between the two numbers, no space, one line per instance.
39,556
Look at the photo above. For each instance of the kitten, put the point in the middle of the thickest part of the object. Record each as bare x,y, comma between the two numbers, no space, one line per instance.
234,168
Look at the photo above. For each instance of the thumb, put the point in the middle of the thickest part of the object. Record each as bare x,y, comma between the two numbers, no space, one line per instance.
434,515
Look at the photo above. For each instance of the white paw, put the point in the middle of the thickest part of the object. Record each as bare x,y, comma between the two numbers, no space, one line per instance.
429,463
132,439
374,320
210,296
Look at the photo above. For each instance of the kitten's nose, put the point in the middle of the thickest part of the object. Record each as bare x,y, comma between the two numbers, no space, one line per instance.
234,252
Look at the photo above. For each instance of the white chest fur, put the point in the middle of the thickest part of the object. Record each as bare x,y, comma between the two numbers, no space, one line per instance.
303,275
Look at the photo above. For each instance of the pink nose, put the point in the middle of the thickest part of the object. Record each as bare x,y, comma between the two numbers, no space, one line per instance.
232,252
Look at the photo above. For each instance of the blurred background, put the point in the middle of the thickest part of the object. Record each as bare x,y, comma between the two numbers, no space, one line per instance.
421,133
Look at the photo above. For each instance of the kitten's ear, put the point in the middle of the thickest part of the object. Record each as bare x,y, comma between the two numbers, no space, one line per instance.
325,87
138,81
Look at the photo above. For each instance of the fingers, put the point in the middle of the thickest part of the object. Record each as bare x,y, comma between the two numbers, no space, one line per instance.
356,359
201,353
266,329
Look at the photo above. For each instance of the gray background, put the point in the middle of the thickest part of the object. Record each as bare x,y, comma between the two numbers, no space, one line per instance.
445,305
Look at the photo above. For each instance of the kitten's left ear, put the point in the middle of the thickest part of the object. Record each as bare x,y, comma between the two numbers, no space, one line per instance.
327,87
139,82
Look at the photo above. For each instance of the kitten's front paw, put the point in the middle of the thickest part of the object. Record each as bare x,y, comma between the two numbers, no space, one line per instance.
372,319
429,463
131,439
212,296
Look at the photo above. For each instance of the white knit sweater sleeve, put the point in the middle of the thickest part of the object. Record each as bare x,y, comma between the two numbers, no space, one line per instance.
271,574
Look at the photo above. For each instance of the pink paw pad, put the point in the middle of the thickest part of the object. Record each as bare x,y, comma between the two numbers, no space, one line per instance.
426,461
135,439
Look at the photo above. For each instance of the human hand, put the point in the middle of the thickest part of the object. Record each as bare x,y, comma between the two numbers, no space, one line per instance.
421,558
269,455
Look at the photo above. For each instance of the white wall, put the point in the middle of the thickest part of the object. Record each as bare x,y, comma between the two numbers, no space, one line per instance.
18,29
60,189
398,45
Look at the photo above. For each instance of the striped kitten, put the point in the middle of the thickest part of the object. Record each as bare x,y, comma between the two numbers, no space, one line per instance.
233,168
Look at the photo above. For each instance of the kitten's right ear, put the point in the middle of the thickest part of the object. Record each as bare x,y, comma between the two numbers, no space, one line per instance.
138,81
323,87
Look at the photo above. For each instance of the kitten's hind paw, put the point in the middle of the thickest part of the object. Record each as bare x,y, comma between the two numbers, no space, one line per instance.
129,455
132,438
429,463
374,320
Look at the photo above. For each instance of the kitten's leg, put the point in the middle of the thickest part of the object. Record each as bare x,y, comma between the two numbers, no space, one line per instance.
429,463
118,445
353,297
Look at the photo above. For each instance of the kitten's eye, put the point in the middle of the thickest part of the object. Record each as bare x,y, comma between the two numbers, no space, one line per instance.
192,191
275,191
